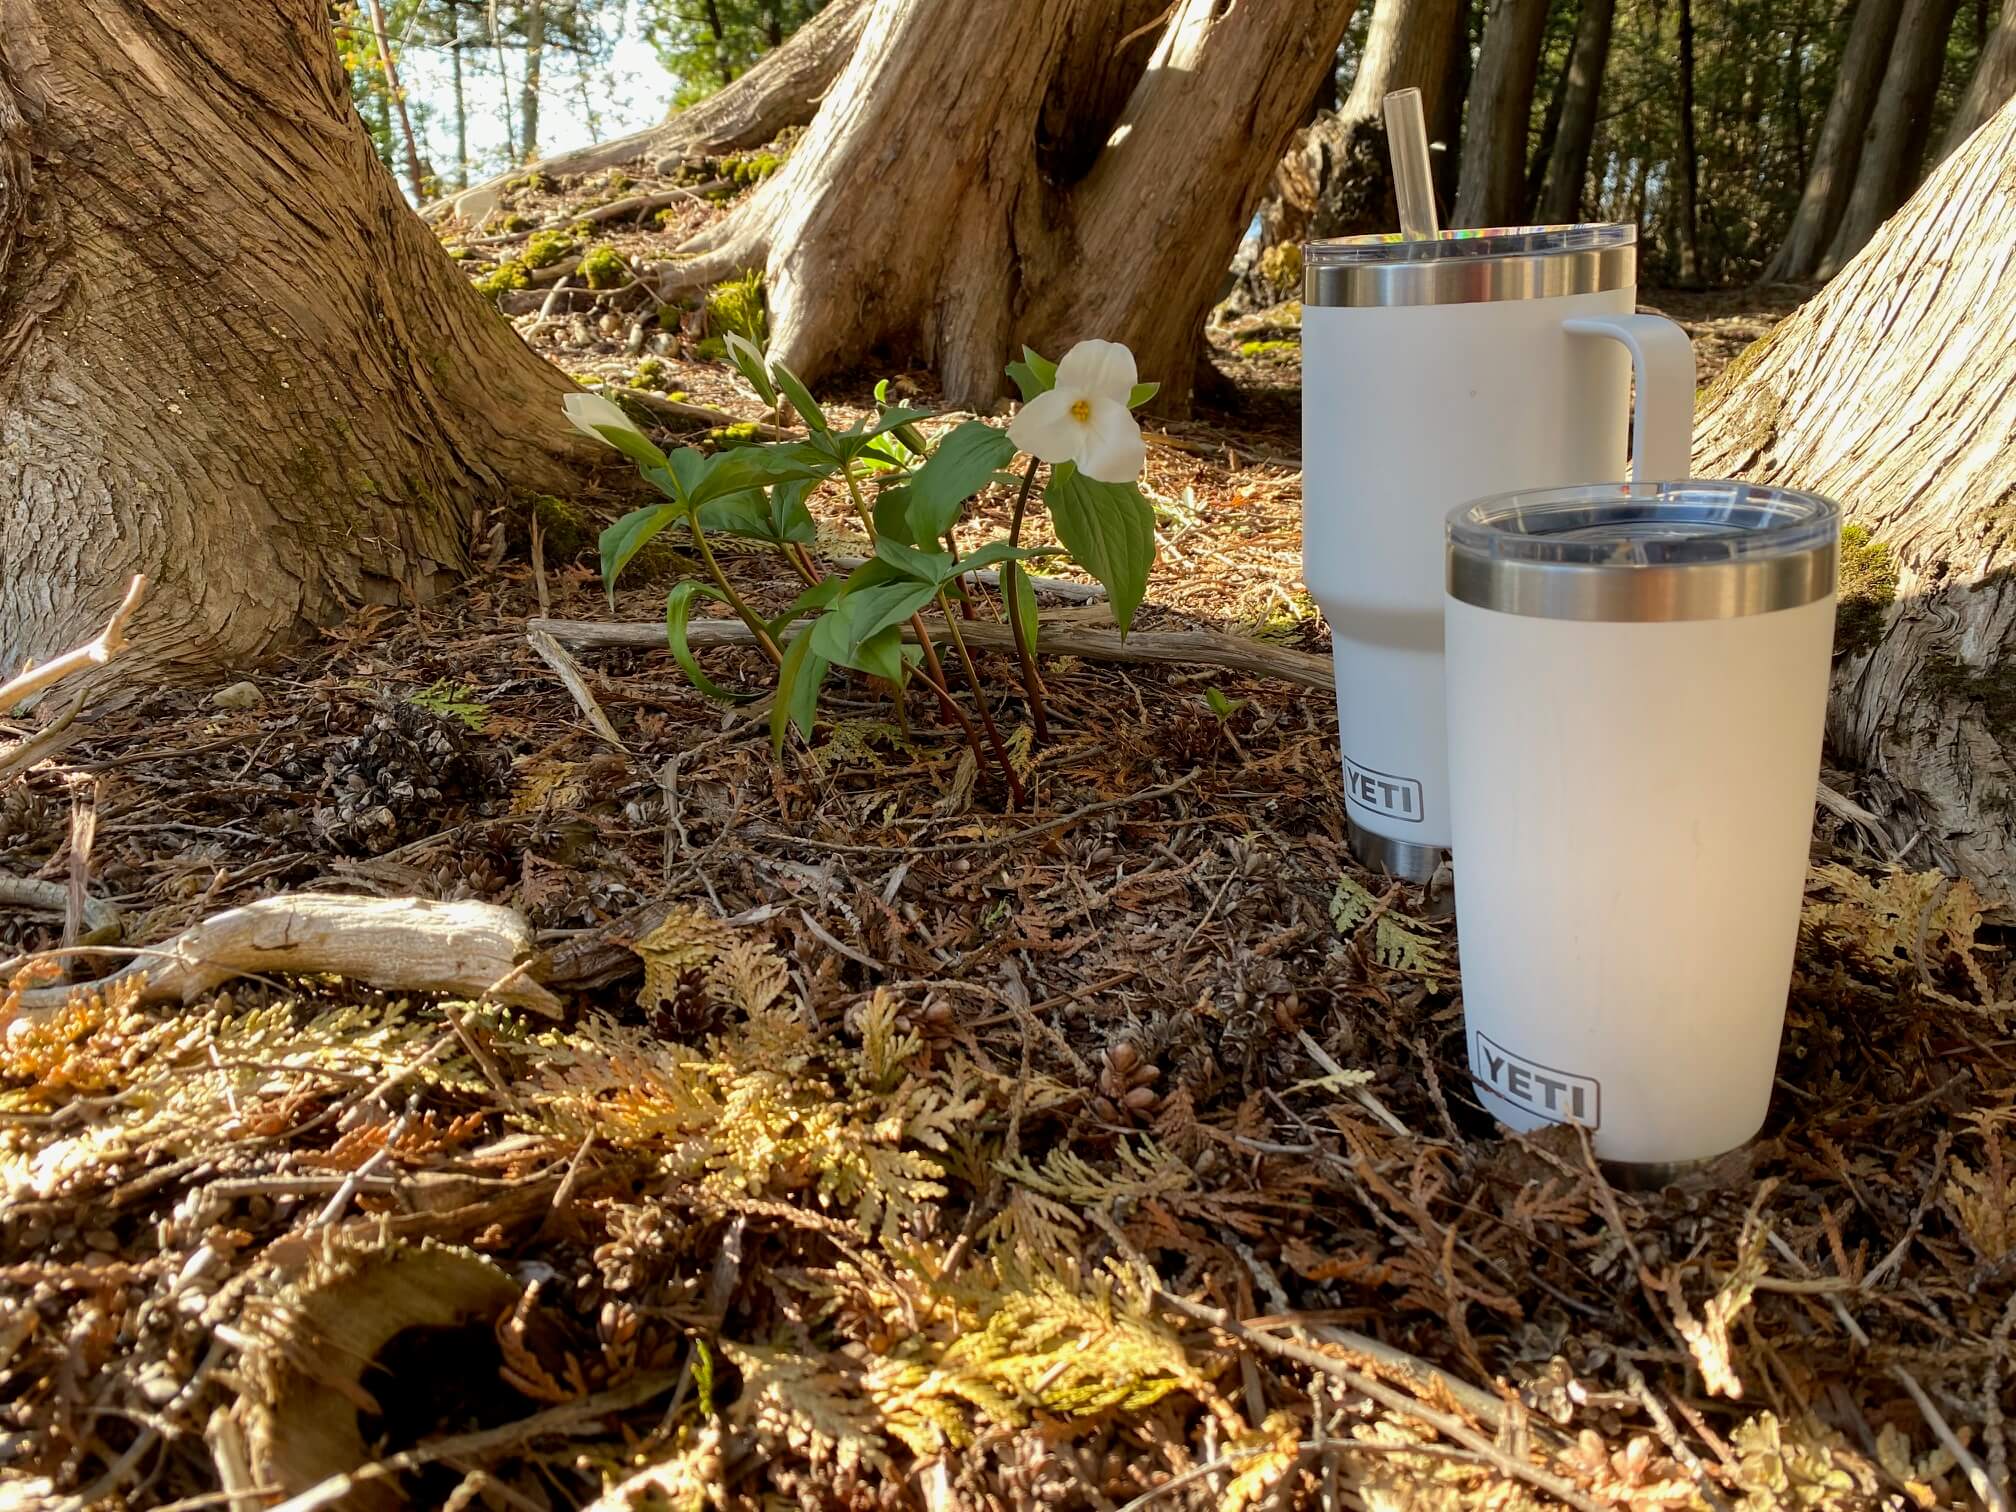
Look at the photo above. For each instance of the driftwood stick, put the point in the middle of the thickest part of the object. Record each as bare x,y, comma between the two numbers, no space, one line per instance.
398,944
639,204
1187,648
108,643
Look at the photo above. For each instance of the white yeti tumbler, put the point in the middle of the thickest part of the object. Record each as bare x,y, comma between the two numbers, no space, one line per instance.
1434,372
1637,684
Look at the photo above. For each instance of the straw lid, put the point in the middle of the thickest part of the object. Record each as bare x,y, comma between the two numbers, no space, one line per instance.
1693,550
1470,267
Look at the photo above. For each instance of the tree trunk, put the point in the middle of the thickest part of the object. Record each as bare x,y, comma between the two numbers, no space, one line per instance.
1833,171
1568,164
1336,178
971,248
1894,391
783,89
230,358
414,178
528,94
461,115
1993,83
1501,109
1689,182
721,65
1895,139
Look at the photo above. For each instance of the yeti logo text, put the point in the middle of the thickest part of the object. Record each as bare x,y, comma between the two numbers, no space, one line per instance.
1395,797
1557,1096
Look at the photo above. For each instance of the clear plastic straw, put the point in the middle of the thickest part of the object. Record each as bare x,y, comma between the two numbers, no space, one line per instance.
1413,187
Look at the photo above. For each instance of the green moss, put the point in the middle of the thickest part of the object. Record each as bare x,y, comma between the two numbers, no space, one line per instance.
652,373
737,306
1281,266
1868,588
546,248
515,222
617,181
743,433
665,217
745,169
539,183
512,274
460,254
604,268
1993,686
1271,351
711,349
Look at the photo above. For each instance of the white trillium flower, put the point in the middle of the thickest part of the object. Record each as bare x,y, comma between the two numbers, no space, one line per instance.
1084,418
591,414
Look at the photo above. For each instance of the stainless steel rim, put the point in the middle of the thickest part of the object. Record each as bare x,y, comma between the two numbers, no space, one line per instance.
1480,280
1698,591
1400,859
1694,549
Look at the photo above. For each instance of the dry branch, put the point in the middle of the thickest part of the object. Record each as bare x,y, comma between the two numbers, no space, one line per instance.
108,643
1183,648
398,944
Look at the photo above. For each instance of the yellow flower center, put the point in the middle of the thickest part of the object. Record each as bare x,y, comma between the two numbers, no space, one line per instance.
1082,412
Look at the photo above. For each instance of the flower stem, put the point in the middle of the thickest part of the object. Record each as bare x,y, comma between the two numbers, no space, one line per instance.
747,615
937,686
1032,681
1015,793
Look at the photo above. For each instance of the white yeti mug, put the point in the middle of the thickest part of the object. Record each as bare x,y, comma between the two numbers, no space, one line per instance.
1433,373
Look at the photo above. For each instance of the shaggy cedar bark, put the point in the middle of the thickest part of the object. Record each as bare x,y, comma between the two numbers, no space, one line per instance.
1568,162
1895,141
1493,178
1993,83
1833,172
1894,391
917,213
230,357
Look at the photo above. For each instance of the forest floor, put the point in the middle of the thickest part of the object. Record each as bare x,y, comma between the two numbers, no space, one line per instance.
1113,1152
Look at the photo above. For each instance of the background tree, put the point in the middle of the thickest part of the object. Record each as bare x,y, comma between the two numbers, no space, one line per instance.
1910,421
317,420
1993,82
1567,162
1490,189
1029,239
1899,126
705,44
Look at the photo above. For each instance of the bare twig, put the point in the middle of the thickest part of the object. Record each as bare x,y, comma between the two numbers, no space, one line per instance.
108,643
569,673
643,204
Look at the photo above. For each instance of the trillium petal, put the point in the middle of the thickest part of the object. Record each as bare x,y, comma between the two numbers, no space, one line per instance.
591,414
1103,369
1111,450
1044,427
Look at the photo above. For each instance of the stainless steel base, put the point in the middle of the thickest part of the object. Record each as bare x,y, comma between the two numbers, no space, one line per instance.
1396,858
1654,1176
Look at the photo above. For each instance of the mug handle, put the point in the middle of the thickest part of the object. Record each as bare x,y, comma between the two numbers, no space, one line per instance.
1662,362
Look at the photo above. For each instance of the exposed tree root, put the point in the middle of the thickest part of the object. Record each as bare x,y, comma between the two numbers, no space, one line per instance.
398,944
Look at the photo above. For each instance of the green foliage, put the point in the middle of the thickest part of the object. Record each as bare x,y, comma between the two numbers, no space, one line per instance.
511,274
603,267
755,490
1398,943
652,373
454,701
1281,267
704,48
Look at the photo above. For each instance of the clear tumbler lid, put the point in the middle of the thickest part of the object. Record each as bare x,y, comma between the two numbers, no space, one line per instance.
1695,549
1470,266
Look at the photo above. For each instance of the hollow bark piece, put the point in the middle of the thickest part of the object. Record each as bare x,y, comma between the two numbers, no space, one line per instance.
930,126
1894,391
397,944
230,357
310,1370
